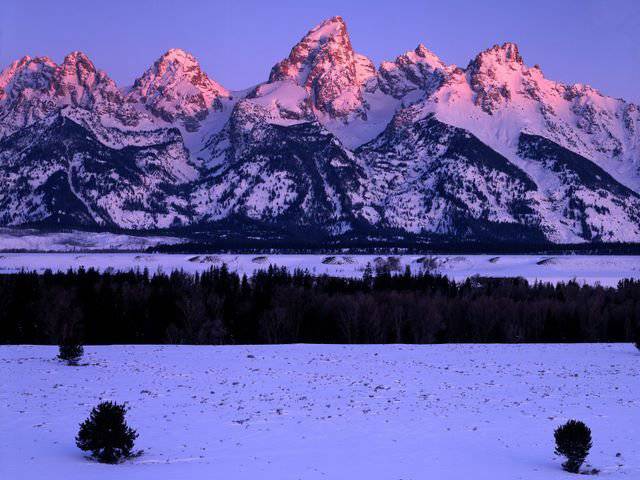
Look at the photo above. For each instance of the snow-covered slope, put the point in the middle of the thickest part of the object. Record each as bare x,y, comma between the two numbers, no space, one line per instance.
581,200
56,172
294,175
482,412
329,142
427,176
498,96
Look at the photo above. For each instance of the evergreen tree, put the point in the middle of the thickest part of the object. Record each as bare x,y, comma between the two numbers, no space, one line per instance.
573,441
367,276
106,433
71,352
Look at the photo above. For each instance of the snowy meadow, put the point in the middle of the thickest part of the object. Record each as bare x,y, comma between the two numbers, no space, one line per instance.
306,411
313,412
606,270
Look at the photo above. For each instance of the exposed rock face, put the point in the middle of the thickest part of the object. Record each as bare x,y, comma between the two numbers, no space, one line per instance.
419,71
328,144
324,63
32,88
176,89
489,76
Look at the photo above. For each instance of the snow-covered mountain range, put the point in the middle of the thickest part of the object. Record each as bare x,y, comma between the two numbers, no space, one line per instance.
330,143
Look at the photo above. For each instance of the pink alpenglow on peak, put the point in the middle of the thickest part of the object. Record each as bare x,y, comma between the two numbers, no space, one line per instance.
419,71
324,63
492,75
176,89
33,88
329,142
506,53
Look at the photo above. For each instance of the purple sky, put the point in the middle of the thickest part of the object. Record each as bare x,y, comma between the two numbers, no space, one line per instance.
237,41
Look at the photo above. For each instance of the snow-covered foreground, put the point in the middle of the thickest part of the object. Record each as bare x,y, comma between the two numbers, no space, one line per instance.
604,269
325,412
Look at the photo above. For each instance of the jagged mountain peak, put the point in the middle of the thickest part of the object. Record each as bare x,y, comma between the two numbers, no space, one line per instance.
24,66
179,62
77,57
420,55
329,38
506,54
499,77
325,63
33,88
177,65
498,96
417,71
28,60
78,70
18,64
179,55
77,67
333,29
25,73
176,88
42,73
422,52
331,143
328,28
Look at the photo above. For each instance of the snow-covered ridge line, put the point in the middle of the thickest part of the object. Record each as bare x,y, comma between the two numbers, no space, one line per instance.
493,150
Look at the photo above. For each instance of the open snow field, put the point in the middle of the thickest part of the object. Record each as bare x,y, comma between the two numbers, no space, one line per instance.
324,412
607,270
35,240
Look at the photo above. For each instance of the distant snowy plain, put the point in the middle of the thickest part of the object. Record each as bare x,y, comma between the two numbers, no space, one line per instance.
604,269
15,239
325,412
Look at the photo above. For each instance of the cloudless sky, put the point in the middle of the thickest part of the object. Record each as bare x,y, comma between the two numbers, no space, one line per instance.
237,41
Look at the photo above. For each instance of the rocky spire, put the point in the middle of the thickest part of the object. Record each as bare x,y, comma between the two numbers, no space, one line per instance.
418,70
32,88
490,73
325,64
507,53
176,88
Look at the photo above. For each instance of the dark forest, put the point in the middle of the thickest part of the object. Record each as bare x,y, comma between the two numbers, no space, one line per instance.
278,306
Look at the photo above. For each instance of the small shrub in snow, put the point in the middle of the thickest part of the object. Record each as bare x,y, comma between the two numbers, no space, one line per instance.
106,433
385,266
70,352
573,441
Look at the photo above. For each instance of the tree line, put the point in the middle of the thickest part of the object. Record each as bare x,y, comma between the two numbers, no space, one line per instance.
280,306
